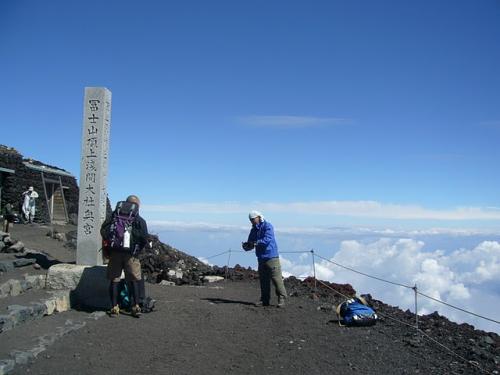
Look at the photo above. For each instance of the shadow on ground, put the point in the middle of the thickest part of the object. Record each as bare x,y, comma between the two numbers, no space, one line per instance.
224,300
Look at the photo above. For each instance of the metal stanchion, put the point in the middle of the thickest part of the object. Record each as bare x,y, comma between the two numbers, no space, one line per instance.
415,290
227,266
314,272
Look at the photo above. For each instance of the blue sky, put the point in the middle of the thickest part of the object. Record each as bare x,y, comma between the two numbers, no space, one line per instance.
333,116
393,101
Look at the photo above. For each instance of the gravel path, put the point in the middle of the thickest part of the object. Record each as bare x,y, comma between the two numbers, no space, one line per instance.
215,330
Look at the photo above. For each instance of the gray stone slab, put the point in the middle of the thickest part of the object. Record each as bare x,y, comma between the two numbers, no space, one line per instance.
22,357
93,174
7,322
6,265
89,285
15,287
24,262
6,366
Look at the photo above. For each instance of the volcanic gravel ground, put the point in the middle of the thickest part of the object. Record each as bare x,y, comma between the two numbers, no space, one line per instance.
216,329
34,237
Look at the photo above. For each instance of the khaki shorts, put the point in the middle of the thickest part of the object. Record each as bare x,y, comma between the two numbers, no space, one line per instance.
121,260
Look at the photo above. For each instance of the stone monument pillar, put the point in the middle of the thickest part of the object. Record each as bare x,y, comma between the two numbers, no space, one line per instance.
93,174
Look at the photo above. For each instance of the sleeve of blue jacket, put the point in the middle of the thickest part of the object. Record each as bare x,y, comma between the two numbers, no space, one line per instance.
252,236
267,236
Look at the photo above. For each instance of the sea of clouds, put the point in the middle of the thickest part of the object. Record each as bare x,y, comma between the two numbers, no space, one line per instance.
460,267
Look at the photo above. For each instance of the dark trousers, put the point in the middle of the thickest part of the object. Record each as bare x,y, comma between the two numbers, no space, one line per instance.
271,271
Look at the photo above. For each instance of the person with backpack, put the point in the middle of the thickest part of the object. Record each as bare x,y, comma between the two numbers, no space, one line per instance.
261,238
124,236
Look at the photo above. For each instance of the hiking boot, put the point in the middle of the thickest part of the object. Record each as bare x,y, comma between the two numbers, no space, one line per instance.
136,311
281,301
114,312
261,304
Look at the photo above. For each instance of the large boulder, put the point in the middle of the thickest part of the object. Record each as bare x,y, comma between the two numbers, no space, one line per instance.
212,279
64,276
88,284
17,247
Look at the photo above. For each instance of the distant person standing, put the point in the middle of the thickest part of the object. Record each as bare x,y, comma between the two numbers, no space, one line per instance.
29,197
125,234
8,217
261,238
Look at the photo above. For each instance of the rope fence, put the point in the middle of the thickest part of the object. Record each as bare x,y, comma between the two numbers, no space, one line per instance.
413,288
364,274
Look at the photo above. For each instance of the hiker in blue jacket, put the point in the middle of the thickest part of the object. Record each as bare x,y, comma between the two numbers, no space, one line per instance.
261,238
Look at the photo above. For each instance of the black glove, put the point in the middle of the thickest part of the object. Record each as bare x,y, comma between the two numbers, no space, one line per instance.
247,246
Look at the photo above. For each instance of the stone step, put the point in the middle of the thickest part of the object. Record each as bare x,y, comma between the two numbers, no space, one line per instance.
14,287
19,273
35,305
27,342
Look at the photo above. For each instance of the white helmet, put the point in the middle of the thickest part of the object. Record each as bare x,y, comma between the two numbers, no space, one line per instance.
254,214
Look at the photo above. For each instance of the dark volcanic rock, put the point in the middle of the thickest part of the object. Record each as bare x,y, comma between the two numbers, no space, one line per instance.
162,262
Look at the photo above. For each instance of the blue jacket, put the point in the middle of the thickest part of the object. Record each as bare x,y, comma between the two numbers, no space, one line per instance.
263,235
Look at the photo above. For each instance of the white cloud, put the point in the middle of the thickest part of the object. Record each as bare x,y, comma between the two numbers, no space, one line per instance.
205,261
182,226
290,268
358,209
479,265
292,121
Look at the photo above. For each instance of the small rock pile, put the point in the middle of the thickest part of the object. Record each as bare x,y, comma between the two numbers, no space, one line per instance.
60,236
236,273
330,294
22,256
162,262
8,245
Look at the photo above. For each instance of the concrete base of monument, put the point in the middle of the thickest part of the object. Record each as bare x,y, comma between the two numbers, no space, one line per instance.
88,284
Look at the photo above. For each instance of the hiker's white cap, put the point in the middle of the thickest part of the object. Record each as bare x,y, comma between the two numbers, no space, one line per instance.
254,214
